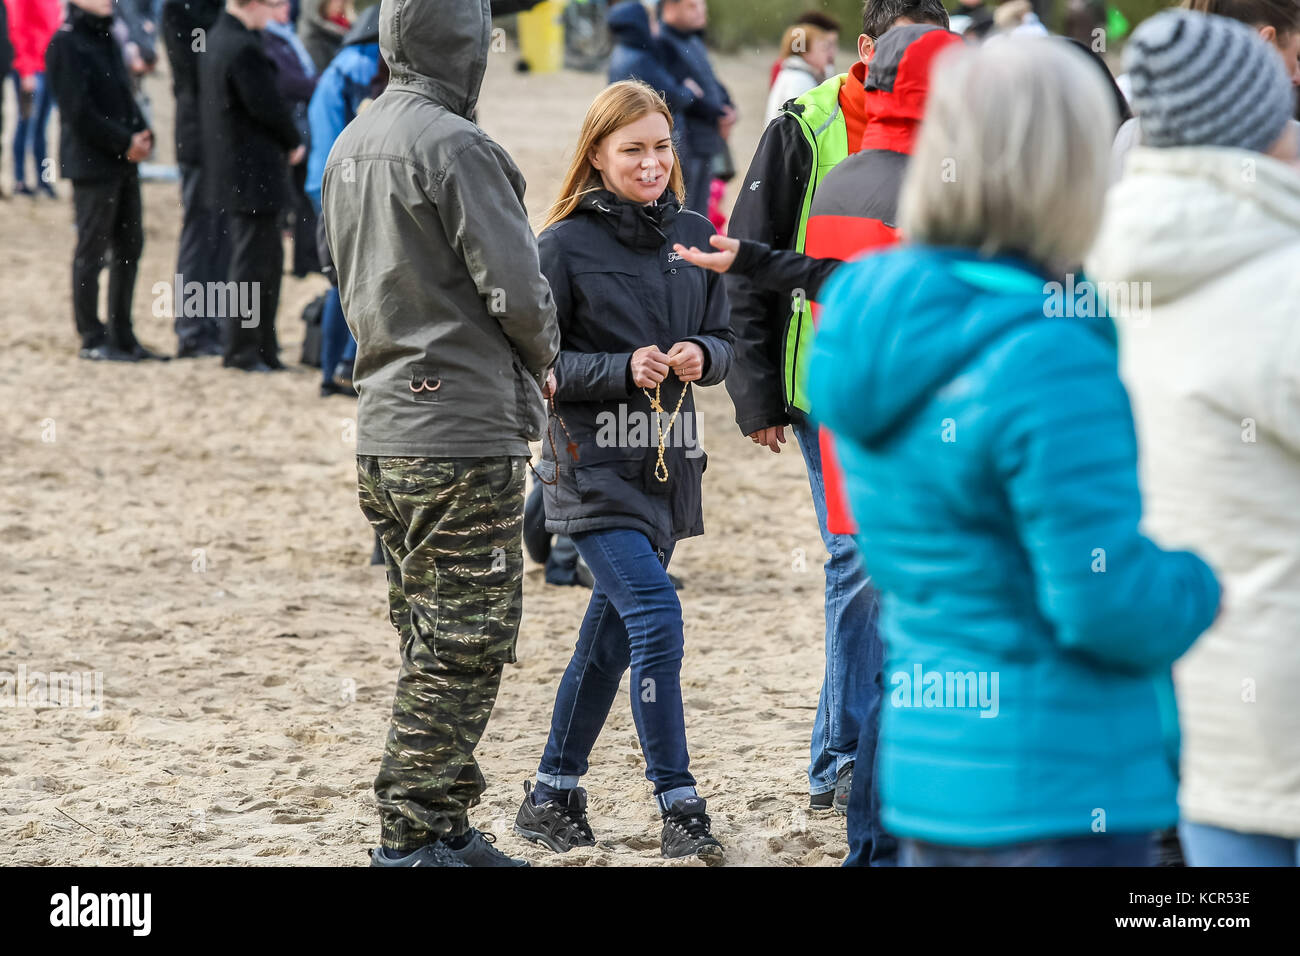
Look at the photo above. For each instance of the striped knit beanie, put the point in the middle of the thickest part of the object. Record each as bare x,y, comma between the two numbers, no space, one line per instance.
1205,80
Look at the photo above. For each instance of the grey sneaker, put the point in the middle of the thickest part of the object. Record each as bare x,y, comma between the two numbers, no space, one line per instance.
479,851
843,785
432,854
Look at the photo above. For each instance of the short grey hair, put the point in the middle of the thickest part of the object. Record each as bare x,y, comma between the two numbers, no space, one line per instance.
1013,153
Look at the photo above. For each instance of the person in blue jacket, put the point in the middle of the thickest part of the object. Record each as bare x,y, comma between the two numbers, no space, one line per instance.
991,462
706,121
352,77
639,54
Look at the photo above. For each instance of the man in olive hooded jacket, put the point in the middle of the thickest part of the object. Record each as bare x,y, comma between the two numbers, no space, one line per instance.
455,330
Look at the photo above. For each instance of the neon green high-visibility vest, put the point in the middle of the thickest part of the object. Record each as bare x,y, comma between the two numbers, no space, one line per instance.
823,126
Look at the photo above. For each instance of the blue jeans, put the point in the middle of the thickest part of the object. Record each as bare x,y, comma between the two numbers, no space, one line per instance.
29,134
634,618
1102,849
1205,845
851,607
336,341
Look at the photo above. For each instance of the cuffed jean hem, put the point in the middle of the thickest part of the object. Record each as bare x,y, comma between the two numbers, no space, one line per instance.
558,781
669,797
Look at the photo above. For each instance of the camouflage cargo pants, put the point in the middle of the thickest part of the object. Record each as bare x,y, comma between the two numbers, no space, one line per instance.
451,531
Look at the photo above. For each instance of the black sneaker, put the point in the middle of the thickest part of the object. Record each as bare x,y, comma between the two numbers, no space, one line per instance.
843,785
686,833
148,355
199,350
554,825
106,353
334,388
822,802
479,851
432,854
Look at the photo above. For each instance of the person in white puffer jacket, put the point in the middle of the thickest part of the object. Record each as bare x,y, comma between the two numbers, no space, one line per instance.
807,59
1203,235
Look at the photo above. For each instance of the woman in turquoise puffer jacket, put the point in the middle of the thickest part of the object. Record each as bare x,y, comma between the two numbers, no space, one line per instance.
991,464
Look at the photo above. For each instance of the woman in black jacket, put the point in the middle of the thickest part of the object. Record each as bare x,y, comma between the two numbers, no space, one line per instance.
637,327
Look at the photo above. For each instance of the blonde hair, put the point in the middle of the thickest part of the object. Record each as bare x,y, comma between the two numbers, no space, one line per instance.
1012,155
613,108
804,36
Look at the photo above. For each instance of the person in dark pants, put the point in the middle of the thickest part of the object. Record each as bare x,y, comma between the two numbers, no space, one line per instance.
102,137
455,328
247,130
707,121
296,80
635,332
204,254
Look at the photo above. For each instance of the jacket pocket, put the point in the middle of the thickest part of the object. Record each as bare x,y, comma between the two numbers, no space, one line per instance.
686,498
611,482
530,407
425,384
559,494
607,290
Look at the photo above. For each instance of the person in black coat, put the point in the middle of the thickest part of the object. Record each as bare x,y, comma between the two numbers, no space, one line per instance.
204,253
247,131
296,79
103,136
638,327
706,122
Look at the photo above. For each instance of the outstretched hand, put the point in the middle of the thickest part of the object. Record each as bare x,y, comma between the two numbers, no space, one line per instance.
719,261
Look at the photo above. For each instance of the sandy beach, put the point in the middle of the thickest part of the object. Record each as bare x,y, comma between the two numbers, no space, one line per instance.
191,534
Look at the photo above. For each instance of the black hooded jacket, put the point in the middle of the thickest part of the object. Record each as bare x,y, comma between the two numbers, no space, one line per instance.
619,286
98,113
247,127
184,24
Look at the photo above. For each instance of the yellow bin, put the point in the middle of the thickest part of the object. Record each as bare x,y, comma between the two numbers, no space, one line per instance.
541,36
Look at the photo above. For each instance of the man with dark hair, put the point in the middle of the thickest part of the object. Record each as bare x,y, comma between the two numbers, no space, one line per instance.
247,131
102,138
813,133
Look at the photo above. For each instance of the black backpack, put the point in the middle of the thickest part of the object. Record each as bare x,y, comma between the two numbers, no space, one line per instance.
311,315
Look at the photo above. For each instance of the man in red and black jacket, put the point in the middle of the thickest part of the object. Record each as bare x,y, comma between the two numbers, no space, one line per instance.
853,211
782,184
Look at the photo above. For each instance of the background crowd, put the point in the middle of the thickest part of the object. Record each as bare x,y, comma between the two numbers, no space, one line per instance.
1178,176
